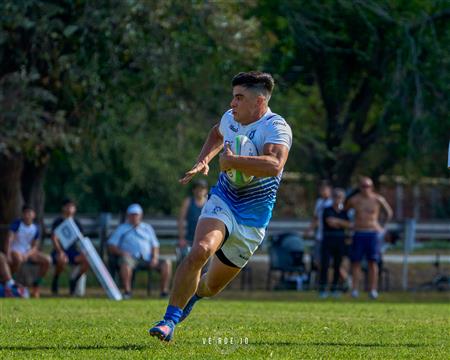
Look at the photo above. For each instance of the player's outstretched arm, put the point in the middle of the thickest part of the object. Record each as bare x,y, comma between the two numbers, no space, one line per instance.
269,164
211,147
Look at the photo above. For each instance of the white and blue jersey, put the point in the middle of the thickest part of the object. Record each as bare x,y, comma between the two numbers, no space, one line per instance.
252,204
24,235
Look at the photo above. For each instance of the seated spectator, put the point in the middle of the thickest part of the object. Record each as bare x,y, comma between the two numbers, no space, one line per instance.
72,255
22,247
8,287
335,221
136,245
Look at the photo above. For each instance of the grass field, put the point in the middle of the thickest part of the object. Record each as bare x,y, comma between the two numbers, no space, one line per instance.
343,329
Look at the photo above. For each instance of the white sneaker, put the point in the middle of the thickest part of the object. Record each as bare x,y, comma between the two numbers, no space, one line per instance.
355,293
373,294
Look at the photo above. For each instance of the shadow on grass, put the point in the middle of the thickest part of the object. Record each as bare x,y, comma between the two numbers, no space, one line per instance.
152,346
77,347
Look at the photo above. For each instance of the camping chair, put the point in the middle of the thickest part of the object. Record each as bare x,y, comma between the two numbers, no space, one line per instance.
286,256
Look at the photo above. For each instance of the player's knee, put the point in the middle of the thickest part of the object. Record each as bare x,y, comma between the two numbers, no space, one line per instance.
213,288
199,255
2,257
166,265
46,260
16,257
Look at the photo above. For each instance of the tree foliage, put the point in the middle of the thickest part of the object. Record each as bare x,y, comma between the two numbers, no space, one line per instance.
380,70
109,102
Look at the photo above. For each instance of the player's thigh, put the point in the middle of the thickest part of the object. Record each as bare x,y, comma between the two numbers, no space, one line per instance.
39,258
220,274
17,257
79,259
209,235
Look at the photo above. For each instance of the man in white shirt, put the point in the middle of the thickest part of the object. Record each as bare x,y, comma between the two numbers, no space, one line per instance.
22,246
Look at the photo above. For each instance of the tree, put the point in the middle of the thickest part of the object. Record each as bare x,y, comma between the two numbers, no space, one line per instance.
160,106
106,96
371,66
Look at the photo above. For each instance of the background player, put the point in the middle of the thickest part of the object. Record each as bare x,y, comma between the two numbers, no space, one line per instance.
233,221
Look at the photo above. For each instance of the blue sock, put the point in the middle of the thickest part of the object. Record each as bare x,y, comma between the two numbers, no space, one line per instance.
173,313
195,298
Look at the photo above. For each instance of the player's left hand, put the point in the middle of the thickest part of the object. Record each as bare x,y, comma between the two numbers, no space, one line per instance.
201,167
225,157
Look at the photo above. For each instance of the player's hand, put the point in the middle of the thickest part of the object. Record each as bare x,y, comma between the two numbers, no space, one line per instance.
201,167
333,222
225,157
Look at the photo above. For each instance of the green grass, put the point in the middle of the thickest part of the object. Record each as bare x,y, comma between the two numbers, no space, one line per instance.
99,328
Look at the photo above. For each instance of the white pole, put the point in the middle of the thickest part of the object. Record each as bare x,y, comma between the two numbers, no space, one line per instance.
409,239
448,161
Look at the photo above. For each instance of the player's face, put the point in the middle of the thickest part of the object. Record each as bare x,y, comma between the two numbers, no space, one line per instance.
338,199
325,192
245,105
200,192
69,210
366,186
134,219
28,216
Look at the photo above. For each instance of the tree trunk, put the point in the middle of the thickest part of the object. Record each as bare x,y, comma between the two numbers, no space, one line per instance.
10,192
33,177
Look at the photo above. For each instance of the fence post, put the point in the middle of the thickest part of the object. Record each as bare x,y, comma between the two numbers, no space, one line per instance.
105,219
408,246
399,195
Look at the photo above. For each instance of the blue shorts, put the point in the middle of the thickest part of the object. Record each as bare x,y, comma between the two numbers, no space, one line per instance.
365,244
71,254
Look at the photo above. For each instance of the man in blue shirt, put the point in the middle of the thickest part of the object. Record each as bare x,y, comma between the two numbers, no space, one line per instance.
135,243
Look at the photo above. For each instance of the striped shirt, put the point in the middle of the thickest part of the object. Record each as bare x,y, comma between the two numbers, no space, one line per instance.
252,204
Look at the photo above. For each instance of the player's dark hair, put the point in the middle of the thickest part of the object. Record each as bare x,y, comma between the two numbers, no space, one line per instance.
200,183
255,80
27,207
67,201
324,184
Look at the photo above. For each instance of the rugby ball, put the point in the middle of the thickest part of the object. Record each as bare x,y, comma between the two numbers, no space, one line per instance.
242,146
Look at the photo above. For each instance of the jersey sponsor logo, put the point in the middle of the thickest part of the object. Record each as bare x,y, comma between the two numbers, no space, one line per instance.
234,128
217,209
279,122
244,257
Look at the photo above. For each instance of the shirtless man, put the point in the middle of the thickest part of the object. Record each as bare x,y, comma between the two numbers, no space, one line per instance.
368,206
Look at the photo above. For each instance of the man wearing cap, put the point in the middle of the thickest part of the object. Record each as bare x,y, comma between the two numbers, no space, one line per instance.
135,243
72,255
